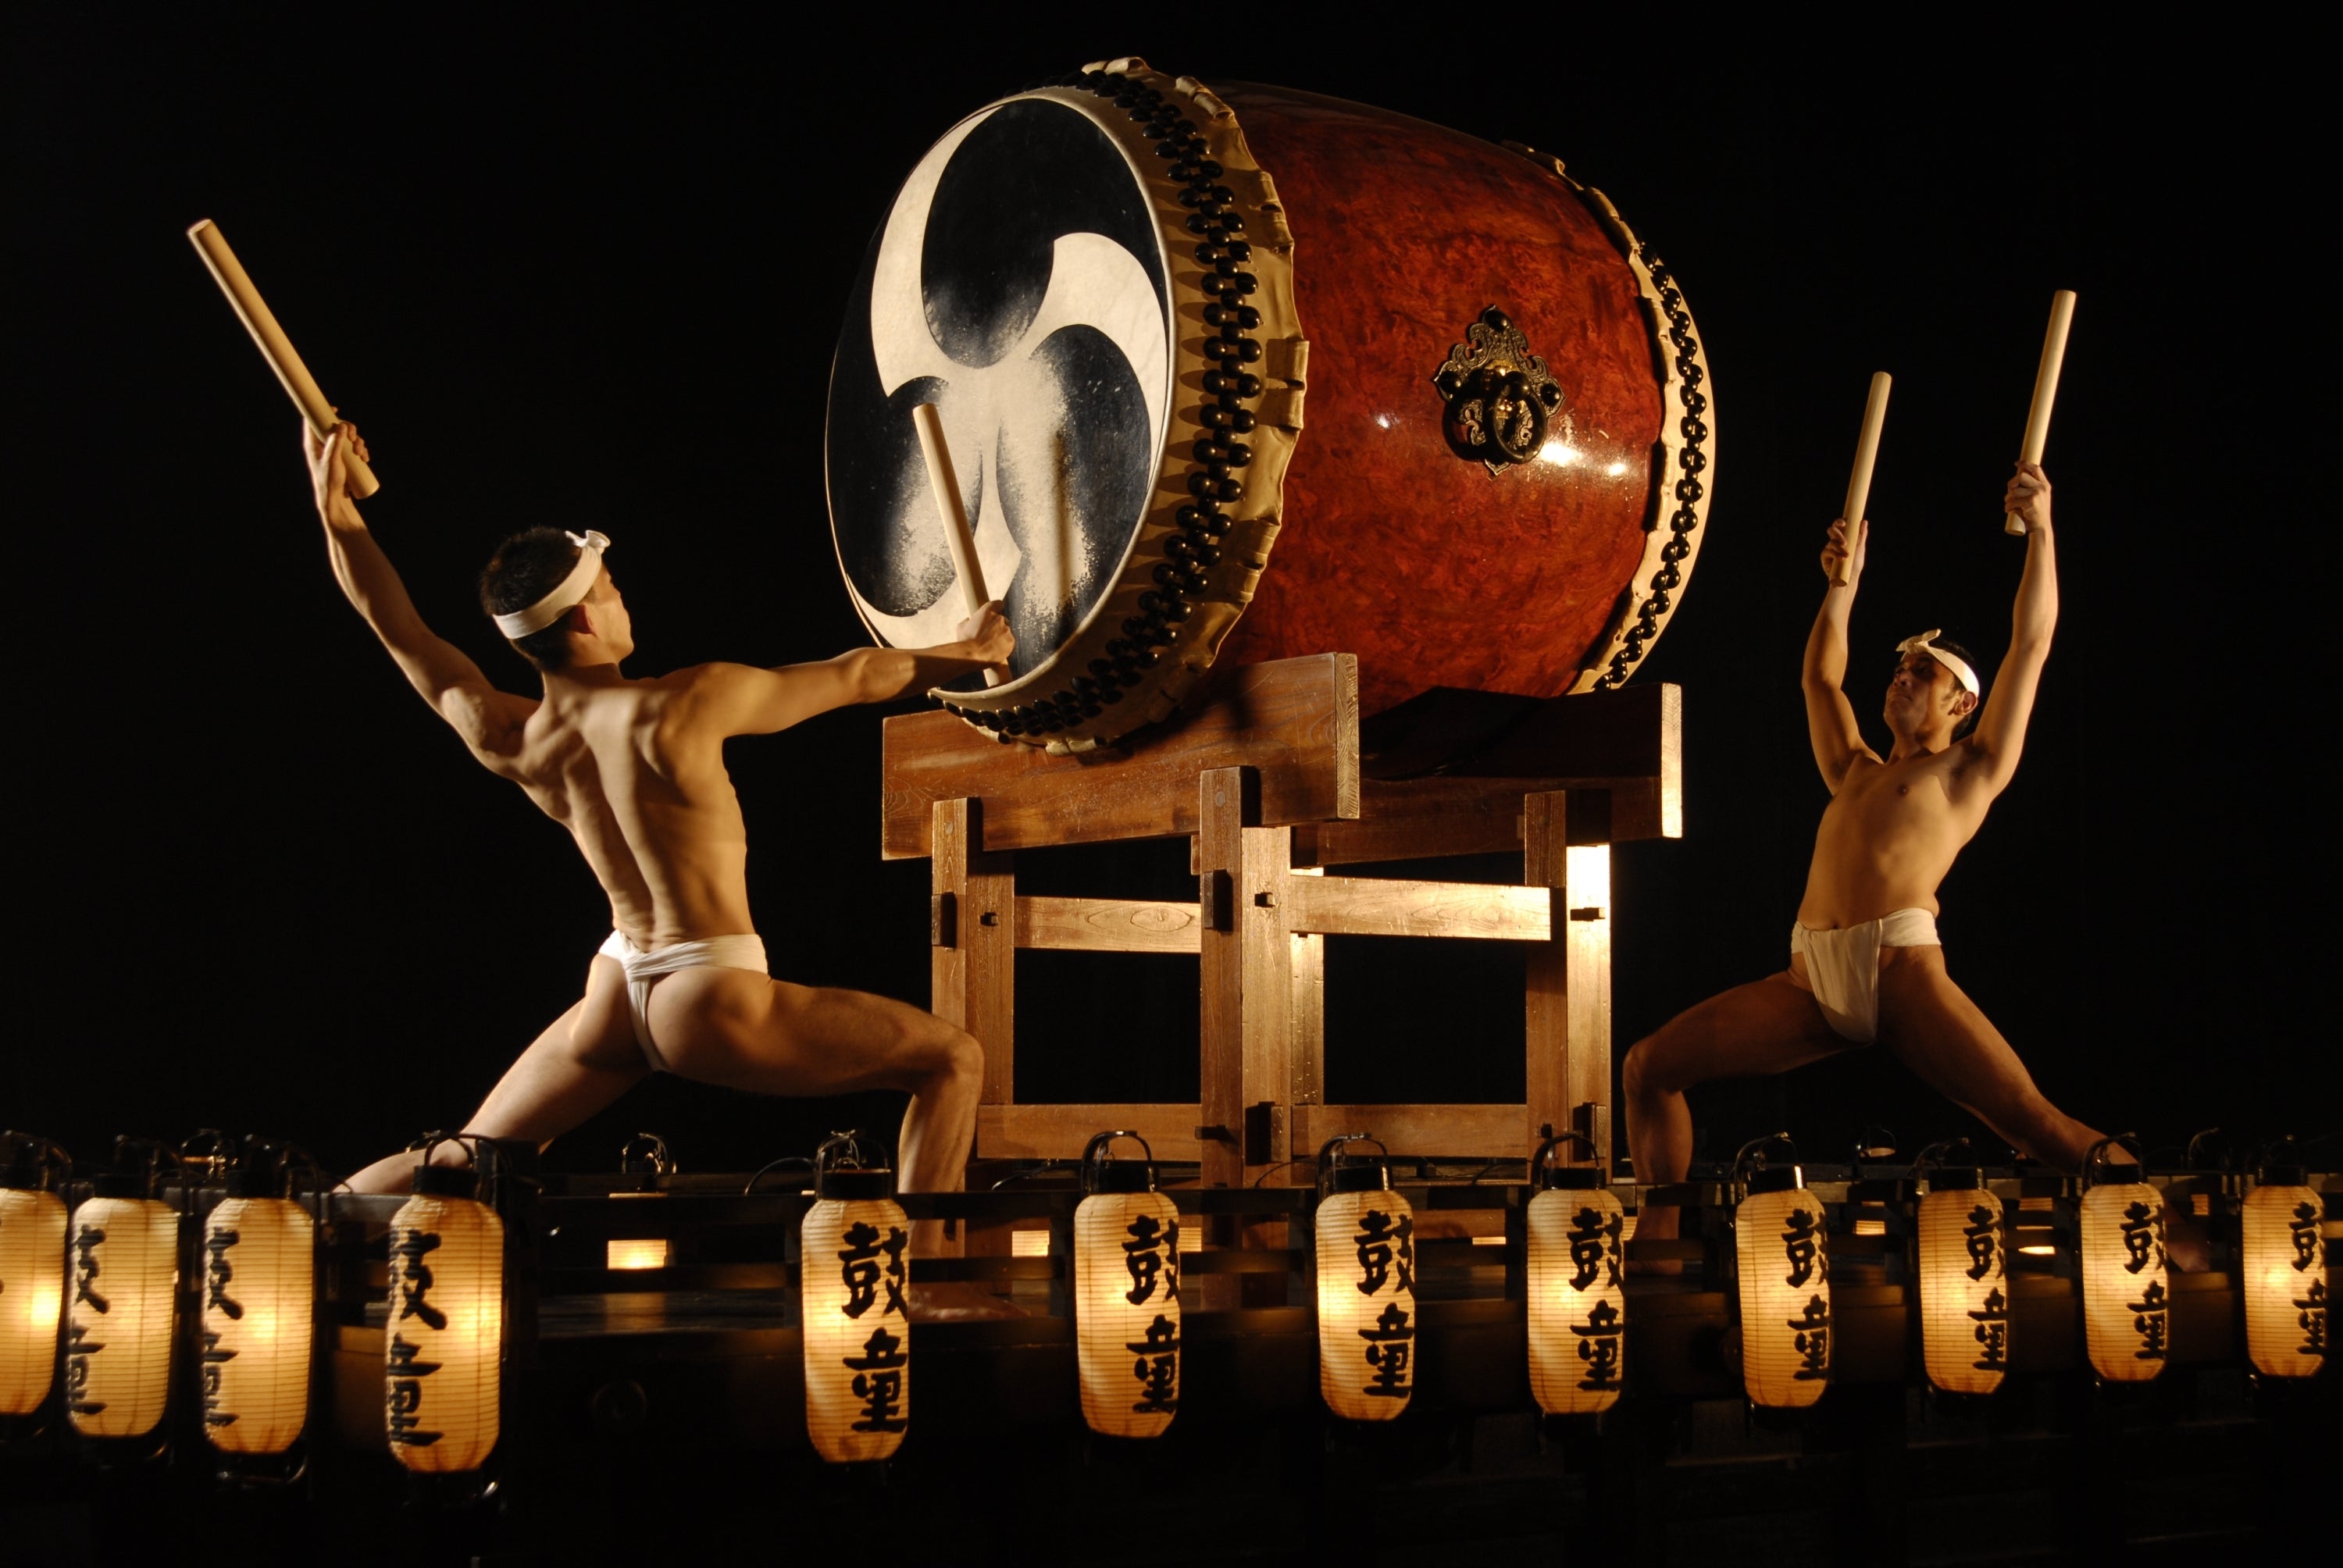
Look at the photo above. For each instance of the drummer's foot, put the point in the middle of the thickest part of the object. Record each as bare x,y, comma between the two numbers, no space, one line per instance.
959,1302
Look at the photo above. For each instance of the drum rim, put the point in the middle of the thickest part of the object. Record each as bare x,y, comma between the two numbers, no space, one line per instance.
1148,641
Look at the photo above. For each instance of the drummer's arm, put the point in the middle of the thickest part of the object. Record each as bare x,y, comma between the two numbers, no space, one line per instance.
1830,717
2001,729
741,700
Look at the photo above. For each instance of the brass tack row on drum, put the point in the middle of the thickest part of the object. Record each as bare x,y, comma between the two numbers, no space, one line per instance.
1095,282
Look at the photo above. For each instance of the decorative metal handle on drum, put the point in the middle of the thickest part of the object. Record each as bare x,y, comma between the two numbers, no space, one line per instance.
1092,286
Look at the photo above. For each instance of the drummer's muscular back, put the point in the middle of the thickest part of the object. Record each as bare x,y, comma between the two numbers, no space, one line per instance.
1891,832
636,772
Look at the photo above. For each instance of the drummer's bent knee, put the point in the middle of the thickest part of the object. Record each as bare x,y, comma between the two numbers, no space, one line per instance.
1647,1068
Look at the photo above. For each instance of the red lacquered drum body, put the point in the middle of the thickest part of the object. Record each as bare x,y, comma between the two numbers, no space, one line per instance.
1417,398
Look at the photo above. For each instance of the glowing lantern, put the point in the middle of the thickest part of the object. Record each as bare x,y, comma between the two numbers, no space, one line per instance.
443,1344
1577,1305
855,1273
31,1277
1126,1294
1786,1303
1964,1282
123,1251
259,1275
2126,1295
1366,1290
2285,1275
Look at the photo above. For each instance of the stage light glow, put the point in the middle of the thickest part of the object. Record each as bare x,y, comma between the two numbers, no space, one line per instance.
637,1252
2286,1275
1964,1283
2126,1292
259,1289
1127,1318
1786,1299
1577,1299
1029,1243
1559,452
1366,1292
855,1283
443,1344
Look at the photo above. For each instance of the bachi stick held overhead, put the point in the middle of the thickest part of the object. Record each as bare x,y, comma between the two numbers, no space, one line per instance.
2045,390
275,346
1858,482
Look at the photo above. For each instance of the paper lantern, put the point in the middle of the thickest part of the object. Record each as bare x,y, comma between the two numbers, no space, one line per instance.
854,1285
1366,1293
2127,1296
443,1341
1126,1295
123,1259
1577,1305
31,1289
1964,1283
2286,1280
1786,1303
258,1276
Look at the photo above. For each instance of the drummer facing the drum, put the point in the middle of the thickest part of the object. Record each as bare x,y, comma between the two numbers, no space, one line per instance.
1864,963
633,768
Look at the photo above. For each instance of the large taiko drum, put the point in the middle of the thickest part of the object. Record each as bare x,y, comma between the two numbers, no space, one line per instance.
1417,398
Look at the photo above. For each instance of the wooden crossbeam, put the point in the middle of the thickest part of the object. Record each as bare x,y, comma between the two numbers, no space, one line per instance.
1432,1131
1380,907
1295,721
1106,925
1060,1131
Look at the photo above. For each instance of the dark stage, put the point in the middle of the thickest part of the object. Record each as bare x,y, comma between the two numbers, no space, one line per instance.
590,272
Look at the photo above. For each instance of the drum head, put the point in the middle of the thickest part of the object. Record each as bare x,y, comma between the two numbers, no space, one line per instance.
1019,284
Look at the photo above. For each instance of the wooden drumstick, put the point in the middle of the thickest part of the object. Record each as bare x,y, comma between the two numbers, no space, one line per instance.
1858,483
2045,390
275,348
945,483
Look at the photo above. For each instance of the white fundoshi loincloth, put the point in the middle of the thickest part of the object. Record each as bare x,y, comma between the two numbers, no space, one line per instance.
644,969
1843,966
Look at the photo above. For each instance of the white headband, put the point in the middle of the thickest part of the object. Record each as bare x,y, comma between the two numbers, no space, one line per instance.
572,591
1925,643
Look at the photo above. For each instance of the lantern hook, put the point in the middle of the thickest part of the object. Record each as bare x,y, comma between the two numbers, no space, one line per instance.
2095,1157
1094,1157
1742,1161
42,1162
842,1151
646,1154
1538,1160
1333,1153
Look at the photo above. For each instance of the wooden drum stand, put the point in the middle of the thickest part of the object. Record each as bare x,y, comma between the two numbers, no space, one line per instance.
1263,773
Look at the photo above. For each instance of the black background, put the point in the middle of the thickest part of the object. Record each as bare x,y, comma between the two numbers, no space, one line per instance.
574,270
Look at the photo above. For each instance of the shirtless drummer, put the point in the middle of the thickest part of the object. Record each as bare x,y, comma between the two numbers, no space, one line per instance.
635,770
1865,963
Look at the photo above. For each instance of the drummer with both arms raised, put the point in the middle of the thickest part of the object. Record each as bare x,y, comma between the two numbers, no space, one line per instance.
1864,963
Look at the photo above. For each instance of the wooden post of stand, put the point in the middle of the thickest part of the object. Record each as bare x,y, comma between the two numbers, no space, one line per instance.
972,965
1246,1000
1568,1002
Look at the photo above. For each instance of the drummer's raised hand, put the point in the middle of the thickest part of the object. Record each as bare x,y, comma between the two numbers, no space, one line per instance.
2027,499
987,635
329,476
1834,550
